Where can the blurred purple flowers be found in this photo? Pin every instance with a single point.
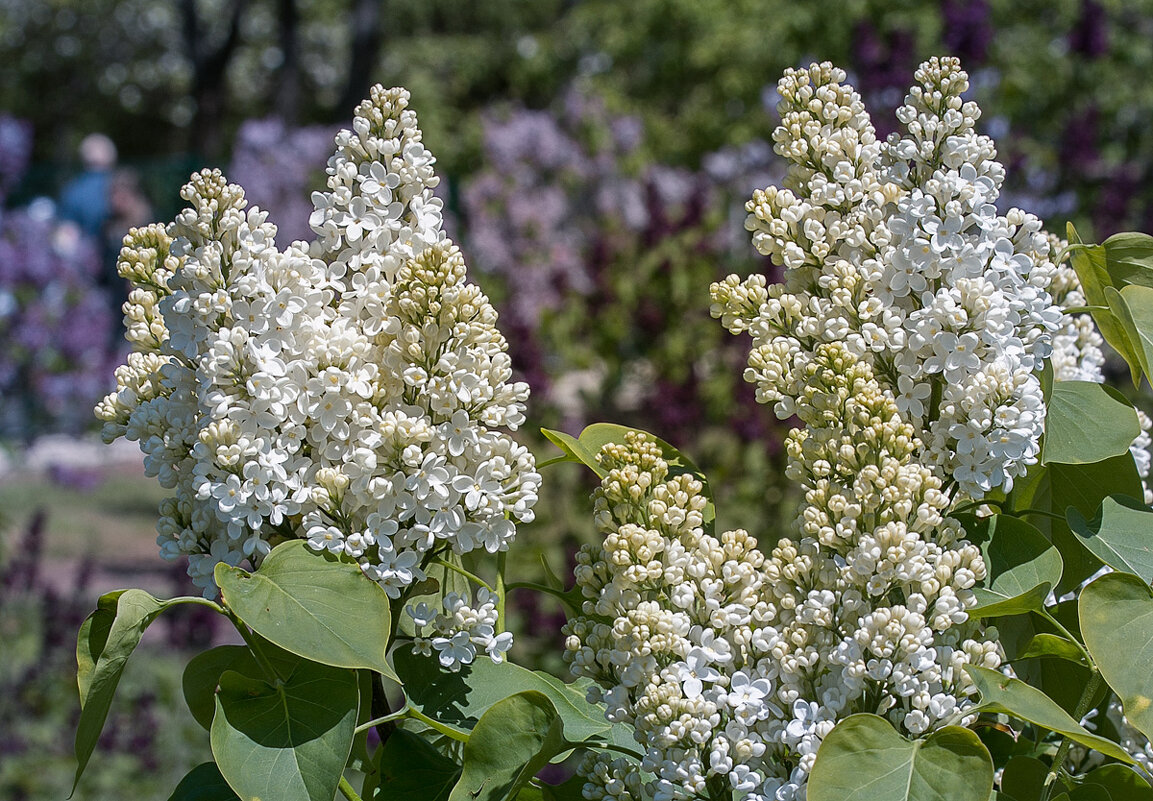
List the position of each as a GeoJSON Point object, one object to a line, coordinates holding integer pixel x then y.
{"type": "Point", "coordinates": [57, 335]}
{"type": "Point", "coordinates": [277, 165]}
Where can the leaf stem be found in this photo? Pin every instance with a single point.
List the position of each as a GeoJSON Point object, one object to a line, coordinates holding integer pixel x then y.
{"type": "Point", "coordinates": [1069, 636]}
{"type": "Point", "coordinates": [447, 731]}
{"type": "Point", "coordinates": [257, 653]}
{"type": "Point", "coordinates": [1087, 694]}
{"type": "Point", "coordinates": [501, 591]}
{"type": "Point", "coordinates": [470, 576]}
{"type": "Point", "coordinates": [347, 791]}
{"type": "Point", "coordinates": [389, 718]}
{"type": "Point", "coordinates": [620, 749]}
{"type": "Point", "coordinates": [965, 507]}
{"type": "Point", "coordinates": [1041, 512]}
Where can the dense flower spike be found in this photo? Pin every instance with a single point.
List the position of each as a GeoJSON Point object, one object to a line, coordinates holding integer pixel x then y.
{"type": "Point", "coordinates": [350, 391]}
{"type": "Point", "coordinates": [906, 336]}
{"type": "Point", "coordinates": [896, 250]}
{"type": "Point", "coordinates": [675, 629]}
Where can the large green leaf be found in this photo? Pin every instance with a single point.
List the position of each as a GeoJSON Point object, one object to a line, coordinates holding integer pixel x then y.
{"type": "Point", "coordinates": [287, 741]}
{"type": "Point", "coordinates": [1090, 263]}
{"type": "Point", "coordinates": [313, 605]}
{"type": "Point", "coordinates": [202, 674]}
{"type": "Point", "coordinates": [411, 769]}
{"type": "Point", "coordinates": [1087, 422]}
{"type": "Point", "coordinates": [460, 699]}
{"type": "Point", "coordinates": [1117, 625]}
{"type": "Point", "coordinates": [1085, 486]}
{"type": "Point", "coordinates": [1129, 258]}
{"type": "Point", "coordinates": [1122, 782]}
{"type": "Point", "coordinates": [585, 448]}
{"type": "Point", "coordinates": [1023, 567]}
{"type": "Point", "coordinates": [865, 759]}
{"type": "Point", "coordinates": [1013, 697]}
{"type": "Point", "coordinates": [1121, 535]}
{"type": "Point", "coordinates": [513, 740]}
{"type": "Point", "coordinates": [203, 783]}
{"type": "Point", "coordinates": [106, 639]}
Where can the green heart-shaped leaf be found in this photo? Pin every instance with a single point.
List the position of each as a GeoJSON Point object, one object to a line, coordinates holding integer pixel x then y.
{"type": "Point", "coordinates": [1121, 535]}
{"type": "Point", "coordinates": [510, 743]}
{"type": "Point", "coordinates": [1122, 782]}
{"type": "Point", "coordinates": [202, 674]}
{"type": "Point", "coordinates": [312, 605]}
{"type": "Point", "coordinates": [1117, 624]}
{"type": "Point", "coordinates": [411, 769]}
{"type": "Point", "coordinates": [1087, 422]}
{"type": "Point", "coordinates": [460, 699]}
{"type": "Point", "coordinates": [1085, 486]}
{"type": "Point", "coordinates": [203, 783]}
{"type": "Point", "coordinates": [1023, 567]}
{"type": "Point", "coordinates": [1090, 263]}
{"type": "Point", "coordinates": [288, 741]}
{"type": "Point", "coordinates": [106, 639]}
{"type": "Point", "coordinates": [864, 759]}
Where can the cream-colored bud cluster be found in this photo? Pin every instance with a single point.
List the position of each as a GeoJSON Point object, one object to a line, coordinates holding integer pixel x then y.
{"type": "Point", "coordinates": [674, 632]}
{"type": "Point", "coordinates": [350, 391]}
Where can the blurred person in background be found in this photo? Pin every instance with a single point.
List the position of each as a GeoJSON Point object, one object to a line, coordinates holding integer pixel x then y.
{"type": "Point", "coordinates": [85, 199]}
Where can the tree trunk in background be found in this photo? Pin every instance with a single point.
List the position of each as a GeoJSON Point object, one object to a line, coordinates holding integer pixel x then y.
{"type": "Point", "coordinates": [367, 37]}
{"type": "Point", "coordinates": [209, 71]}
{"type": "Point", "coordinates": [288, 76]}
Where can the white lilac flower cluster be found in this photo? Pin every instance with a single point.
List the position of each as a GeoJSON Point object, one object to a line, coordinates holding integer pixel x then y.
{"type": "Point", "coordinates": [906, 337]}
{"type": "Point", "coordinates": [350, 391]}
{"type": "Point", "coordinates": [675, 631]}
{"type": "Point", "coordinates": [896, 250]}
{"type": "Point", "coordinates": [459, 630]}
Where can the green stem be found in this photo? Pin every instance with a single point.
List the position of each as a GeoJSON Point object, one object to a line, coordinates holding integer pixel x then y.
{"type": "Point", "coordinates": [1063, 750]}
{"type": "Point", "coordinates": [1069, 636]}
{"type": "Point", "coordinates": [258, 654]}
{"type": "Point", "coordinates": [447, 731]}
{"type": "Point", "coordinates": [199, 599]}
{"type": "Point", "coordinates": [965, 507]}
{"type": "Point", "coordinates": [529, 585]}
{"type": "Point", "coordinates": [389, 718]}
{"type": "Point", "coordinates": [620, 749]}
{"type": "Point", "coordinates": [470, 576]}
{"type": "Point", "coordinates": [501, 559]}
{"type": "Point", "coordinates": [1040, 512]}
{"type": "Point", "coordinates": [347, 791]}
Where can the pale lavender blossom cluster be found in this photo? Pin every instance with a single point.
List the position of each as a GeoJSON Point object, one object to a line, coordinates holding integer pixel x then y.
{"type": "Point", "coordinates": [56, 356]}
{"type": "Point", "coordinates": [350, 391]}
{"type": "Point", "coordinates": [277, 164]}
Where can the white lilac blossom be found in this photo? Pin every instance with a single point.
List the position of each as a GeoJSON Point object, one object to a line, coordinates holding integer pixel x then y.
{"type": "Point", "coordinates": [906, 337]}
{"type": "Point", "coordinates": [352, 391]}
{"type": "Point", "coordinates": [675, 630]}
{"type": "Point", "coordinates": [896, 250]}
{"type": "Point", "coordinates": [460, 631]}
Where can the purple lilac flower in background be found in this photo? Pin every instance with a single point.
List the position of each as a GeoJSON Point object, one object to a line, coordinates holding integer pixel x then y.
{"type": "Point", "coordinates": [279, 166]}
{"type": "Point", "coordinates": [58, 332]}
{"type": "Point", "coordinates": [15, 152]}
